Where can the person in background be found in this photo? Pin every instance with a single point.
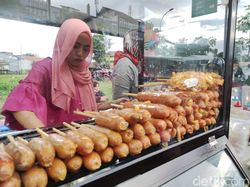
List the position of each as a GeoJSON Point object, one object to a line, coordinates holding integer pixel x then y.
{"type": "Point", "coordinates": [238, 71]}
{"type": "Point", "coordinates": [100, 96]}
{"type": "Point", "coordinates": [247, 82]}
{"type": "Point", "coordinates": [238, 75]}
{"type": "Point", "coordinates": [125, 73]}
{"type": "Point", "coordinates": [216, 65]}
{"type": "Point", "coordinates": [57, 86]}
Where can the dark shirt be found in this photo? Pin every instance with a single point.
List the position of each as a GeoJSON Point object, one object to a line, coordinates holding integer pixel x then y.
{"type": "Point", "coordinates": [238, 73]}
{"type": "Point", "coordinates": [98, 96]}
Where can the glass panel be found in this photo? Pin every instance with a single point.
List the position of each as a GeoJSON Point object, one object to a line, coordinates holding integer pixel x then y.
{"type": "Point", "coordinates": [217, 171]}
{"type": "Point", "coordinates": [239, 127]}
{"type": "Point", "coordinates": [169, 40]}
{"type": "Point", "coordinates": [241, 71]}
{"type": "Point", "coordinates": [179, 42]}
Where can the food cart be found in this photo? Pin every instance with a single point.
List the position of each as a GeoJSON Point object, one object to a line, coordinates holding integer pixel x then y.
{"type": "Point", "coordinates": [207, 150]}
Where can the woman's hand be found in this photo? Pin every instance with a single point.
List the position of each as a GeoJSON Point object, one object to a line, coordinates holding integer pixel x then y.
{"type": "Point", "coordinates": [28, 119]}
{"type": "Point", "coordinates": [107, 105]}
{"type": "Point", "coordinates": [120, 100]}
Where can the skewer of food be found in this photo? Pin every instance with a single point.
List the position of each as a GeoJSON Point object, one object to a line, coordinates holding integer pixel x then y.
{"type": "Point", "coordinates": [100, 140]}
{"type": "Point", "coordinates": [113, 122]}
{"type": "Point", "coordinates": [42, 148]}
{"type": "Point", "coordinates": [114, 137]}
{"type": "Point", "coordinates": [64, 147]}
{"type": "Point", "coordinates": [7, 166]}
{"type": "Point", "coordinates": [166, 98]}
{"type": "Point", "coordinates": [84, 144]}
{"type": "Point", "coordinates": [23, 156]}
{"type": "Point", "coordinates": [13, 181]}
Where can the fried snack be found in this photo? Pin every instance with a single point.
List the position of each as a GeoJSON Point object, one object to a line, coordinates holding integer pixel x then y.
{"type": "Point", "coordinates": [135, 147]}
{"type": "Point", "coordinates": [114, 138]}
{"type": "Point", "coordinates": [166, 98]}
{"type": "Point", "coordinates": [107, 155]}
{"type": "Point", "coordinates": [57, 171]}
{"type": "Point", "coordinates": [195, 81]}
{"type": "Point", "coordinates": [165, 136]}
{"type": "Point", "coordinates": [74, 164]}
{"type": "Point", "coordinates": [44, 151]}
{"type": "Point", "coordinates": [22, 155]}
{"type": "Point", "coordinates": [155, 138]}
{"type": "Point", "coordinates": [100, 140]}
{"type": "Point", "coordinates": [156, 110]}
{"type": "Point", "coordinates": [130, 115]}
{"type": "Point", "coordinates": [159, 124]}
{"type": "Point", "coordinates": [149, 128]}
{"type": "Point", "coordinates": [35, 176]}
{"type": "Point", "coordinates": [106, 119]}
{"type": "Point", "coordinates": [122, 150]}
{"type": "Point", "coordinates": [127, 135]}
{"type": "Point", "coordinates": [14, 181]}
{"type": "Point", "coordinates": [7, 166]}
{"type": "Point", "coordinates": [84, 144]}
{"type": "Point", "coordinates": [111, 121]}
{"type": "Point", "coordinates": [92, 161]}
{"type": "Point", "coordinates": [145, 142]}
{"type": "Point", "coordinates": [180, 110]}
{"type": "Point", "coordinates": [138, 130]}
{"type": "Point", "coordinates": [64, 147]}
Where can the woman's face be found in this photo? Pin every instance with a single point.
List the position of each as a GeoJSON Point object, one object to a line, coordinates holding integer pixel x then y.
{"type": "Point", "coordinates": [80, 50]}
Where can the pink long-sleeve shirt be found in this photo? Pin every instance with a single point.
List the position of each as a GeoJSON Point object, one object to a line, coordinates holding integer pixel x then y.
{"type": "Point", "coordinates": [34, 94]}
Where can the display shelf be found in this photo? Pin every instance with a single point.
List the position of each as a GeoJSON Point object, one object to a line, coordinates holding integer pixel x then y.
{"type": "Point", "coordinates": [206, 164]}
{"type": "Point", "coordinates": [114, 172]}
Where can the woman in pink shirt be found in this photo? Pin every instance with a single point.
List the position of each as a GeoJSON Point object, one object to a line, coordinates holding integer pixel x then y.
{"type": "Point", "coordinates": [55, 87]}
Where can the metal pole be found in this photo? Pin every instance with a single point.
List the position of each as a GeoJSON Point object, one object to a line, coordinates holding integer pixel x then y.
{"type": "Point", "coordinates": [229, 55]}
{"type": "Point", "coordinates": [165, 15]}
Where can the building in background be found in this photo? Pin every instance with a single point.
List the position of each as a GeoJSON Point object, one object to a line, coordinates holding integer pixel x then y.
{"type": "Point", "coordinates": [10, 63]}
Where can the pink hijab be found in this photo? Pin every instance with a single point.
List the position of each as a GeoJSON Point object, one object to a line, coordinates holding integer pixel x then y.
{"type": "Point", "coordinates": [65, 79]}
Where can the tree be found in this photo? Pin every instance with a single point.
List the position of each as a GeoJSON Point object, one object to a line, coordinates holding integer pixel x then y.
{"type": "Point", "coordinates": [164, 47]}
{"type": "Point", "coordinates": [199, 46]}
{"type": "Point", "coordinates": [243, 25]}
{"type": "Point", "coordinates": [240, 47]}
{"type": "Point", "coordinates": [99, 49]}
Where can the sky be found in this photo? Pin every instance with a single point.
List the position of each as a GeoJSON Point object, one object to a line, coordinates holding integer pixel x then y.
{"type": "Point", "coordinates": [21, 37]}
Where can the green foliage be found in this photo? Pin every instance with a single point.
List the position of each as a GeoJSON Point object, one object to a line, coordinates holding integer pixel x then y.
{"type": "Point", "coordinates": [7, 83]}
{"type": "Point", "coordinates": [101, 45]}
{"type": "Point", "coordinates": [165, 47]}
{"type": "Point", "coordinates": [106, 87]}
{"type": "Point", "coordinates": [243, 44]}
{"type": "Point", "coordinates": [200, 46]}
{"type": "Point", "coordinates": [243, 23]}
{"type": "Point", "coordinates": [99, 48]}
{"type": "Point", "coordinates": [191, 49]}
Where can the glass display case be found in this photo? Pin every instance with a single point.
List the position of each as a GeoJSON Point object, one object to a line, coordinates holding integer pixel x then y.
{"type": "Point", "coordinates": [213, 164]}
{"type": "Point", "coordinates": [187, 50]}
